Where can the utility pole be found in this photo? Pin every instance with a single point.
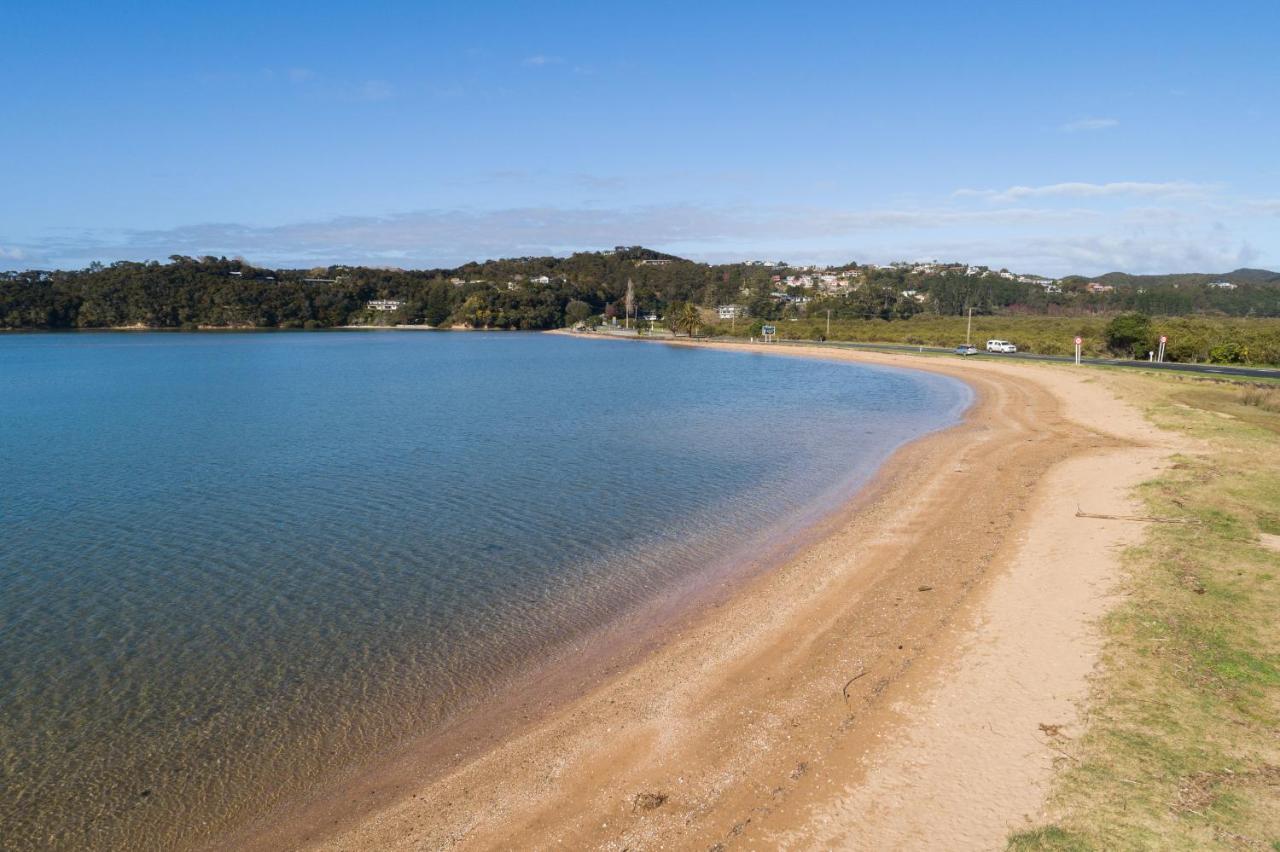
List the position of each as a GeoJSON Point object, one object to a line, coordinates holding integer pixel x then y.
{"type": "Point", "coordinates": [828, 323]}
{"type": "Point", "coordinates": [968, 332]}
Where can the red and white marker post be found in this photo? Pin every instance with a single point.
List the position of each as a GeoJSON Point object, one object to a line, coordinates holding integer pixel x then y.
{"type": "Point", "coordinates": [1079, 340]}
{"type": "Point", "coordinates": [1160, 354]}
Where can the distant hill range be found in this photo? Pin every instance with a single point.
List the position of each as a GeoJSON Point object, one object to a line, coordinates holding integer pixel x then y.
{"type": "Point", "coordinates": [546, 292]}
{"type": "Point", "coordinates": [1238, 276]}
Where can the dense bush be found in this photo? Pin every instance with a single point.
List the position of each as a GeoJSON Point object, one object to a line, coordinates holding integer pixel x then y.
{"type": "Point", "coordinates": [1129, 334]}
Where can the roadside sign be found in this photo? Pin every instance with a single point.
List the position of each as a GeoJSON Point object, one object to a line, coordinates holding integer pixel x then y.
{"type": "Point", "coordinates": [1079, 340]}
{"type": "Point", "coordinates": [769, 332]}
{"type": "Point", "coordinates": [1164, 339]}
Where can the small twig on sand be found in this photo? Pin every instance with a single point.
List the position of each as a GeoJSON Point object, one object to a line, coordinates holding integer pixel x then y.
{"type": "Point", "coordinates": [845, 690]}
{"type": "Point", "coordinates": [1149, 519]}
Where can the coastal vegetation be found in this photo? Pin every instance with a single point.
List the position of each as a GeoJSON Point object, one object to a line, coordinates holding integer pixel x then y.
{"type": "Point", "coordinates": [1191, 339]}
{"type": "Point", "coordinates": [685, 318]}
{"type": "Point", "coordinates": [1229, 318]}
{"type": "Point", "coordinates": [1180, 749]}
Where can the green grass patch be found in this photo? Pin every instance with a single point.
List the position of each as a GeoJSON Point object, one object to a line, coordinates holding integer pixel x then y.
{"type": "Point", "coordinates": [1180, 749]}
{"type": "Point", "coordinates": [1048, 839]}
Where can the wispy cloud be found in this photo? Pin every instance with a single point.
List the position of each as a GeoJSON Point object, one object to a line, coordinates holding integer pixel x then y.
{"type": "Point", "coordinates": [300, 75]}
{"type": "Point", "coordinates": [1200, 250]}
{"type": "Point", "coordinates": [599, 183]}
{"type": "Point", "coordinates": [375, 90]}
{"type": "Point", "coordinates": [1263, 206]}
{"type": "Point", "coordinates": [539, 60]}
{"type": "Point", "coordinates": [1144, 189]}
{"type": "Point", "coordinates": [1086, 124]}
{"type": "Point", "coordinates": [1052, 239]}
{"type": "Point", "coordinates": [448, 237]}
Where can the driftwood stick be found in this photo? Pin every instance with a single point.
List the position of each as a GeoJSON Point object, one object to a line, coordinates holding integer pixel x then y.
{"type": "Point", "coordinates": [845, 690]}
{"type": "Point", "coordinates": [1149, 519]}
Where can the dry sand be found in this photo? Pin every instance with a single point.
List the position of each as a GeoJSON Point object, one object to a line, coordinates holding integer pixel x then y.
{"type": "Point", "coordinates": [883, 689]}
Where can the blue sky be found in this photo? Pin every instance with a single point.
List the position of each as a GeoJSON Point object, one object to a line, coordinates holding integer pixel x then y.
{"type": "Point", "coordinates": [1048, 138]}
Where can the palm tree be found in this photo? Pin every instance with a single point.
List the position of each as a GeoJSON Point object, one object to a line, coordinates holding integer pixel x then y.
{"type": "Point", "coordinates": [689, 319]}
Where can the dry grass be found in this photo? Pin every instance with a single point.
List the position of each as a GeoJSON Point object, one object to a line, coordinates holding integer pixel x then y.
{"type": "Point", "coordinates": [1182, 749]}
{"type": "Point", "coordinates": [1268, 399]}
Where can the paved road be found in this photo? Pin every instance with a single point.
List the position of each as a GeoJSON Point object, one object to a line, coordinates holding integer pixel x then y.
{"type": "Point", "coordinates": [1247, 372]}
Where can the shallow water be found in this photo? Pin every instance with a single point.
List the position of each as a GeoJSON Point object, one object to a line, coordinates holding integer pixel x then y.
{"type": "Point", "coordinates": [233, 563]}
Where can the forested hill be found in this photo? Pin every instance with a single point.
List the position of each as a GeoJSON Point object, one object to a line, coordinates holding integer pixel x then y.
{"type": "Point", "coordinates": [544, 292]}
{"type": "Point", "coordinates": [1239, 276]}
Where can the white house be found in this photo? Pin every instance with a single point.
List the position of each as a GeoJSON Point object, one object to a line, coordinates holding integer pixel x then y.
{"type": "Point", "coordinates": [385, 304]}
{"type": "Point", "coordinates": [731, 311]}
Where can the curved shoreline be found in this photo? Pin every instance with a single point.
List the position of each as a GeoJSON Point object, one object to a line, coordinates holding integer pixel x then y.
{"type": "Point", "coordinates": [570, 670]}
{"type": "Point", "coordinates": [750, 708]}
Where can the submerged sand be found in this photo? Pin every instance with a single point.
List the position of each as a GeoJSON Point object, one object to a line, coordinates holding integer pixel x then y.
{"type": "Point", "coordinates": [884, 688]}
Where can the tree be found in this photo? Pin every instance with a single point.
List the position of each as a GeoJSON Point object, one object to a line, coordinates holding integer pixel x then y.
{"type": "Point", "coordinates": [685, 318]}
{"type": "Point", "coordinates": [1129, 334]}
{"type": "Point", "coordinates": [577, 311]}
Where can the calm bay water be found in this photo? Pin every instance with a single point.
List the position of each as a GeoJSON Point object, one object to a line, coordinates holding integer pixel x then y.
{"type": "Point", "coordinates": [232, 563]}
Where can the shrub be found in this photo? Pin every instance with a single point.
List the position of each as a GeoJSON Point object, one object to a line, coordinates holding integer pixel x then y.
{"type": "Point", "coordinates": [1229, 353]}
{"type": "Point", "coordinates": [1129, 334]}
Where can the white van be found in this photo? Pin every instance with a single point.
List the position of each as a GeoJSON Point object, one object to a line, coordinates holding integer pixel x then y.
{"type": "Point", "coordinates": [1000, 346]}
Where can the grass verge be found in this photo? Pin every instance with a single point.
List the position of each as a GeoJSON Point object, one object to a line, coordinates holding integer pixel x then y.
{"type": "Point", "coordinates": [1181, 748]}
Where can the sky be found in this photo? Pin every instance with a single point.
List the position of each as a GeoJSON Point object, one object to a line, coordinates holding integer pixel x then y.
{"type": "Point", "coordinates": [1046, 138]}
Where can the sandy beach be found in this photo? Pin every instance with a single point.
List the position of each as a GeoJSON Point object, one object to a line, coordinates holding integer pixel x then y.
{"type": "Point", "coordinates": [898, 681]}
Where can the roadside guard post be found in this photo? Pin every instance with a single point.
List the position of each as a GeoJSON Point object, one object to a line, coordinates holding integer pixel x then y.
{"type": "Point", "coordinates": [770, 333]}
{"type": "Point", "coordinates": [1160, 353]}
{"type": "Point", "coordinates": [1079, 340]}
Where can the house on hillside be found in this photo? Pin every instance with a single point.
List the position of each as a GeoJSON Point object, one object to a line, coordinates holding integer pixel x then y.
{"type": "Point", "coordinates": [384, 304]}
{"type": "Point", "coordinates": [1222, 285]}
{"type": "Point", "coordinates": [728, 312]}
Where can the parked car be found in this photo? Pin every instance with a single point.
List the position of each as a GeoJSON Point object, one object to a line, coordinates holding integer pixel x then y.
{"type": "Point", "coordinates": [966, 349]}
{"type": "Point", "coordinates": [1000, 346]}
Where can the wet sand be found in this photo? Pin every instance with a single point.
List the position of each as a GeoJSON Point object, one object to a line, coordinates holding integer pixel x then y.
{"type": "Point", "coordinates": [882, 688]}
